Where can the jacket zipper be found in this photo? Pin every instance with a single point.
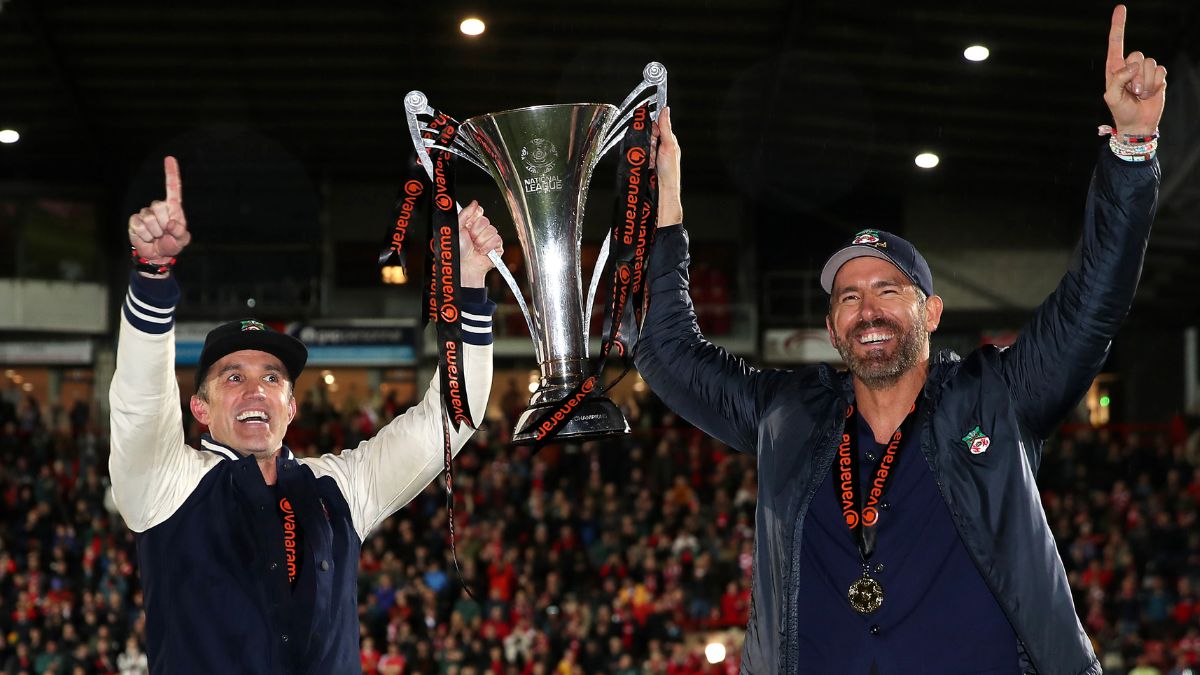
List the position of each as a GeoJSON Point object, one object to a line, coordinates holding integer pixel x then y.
{"type": "Point", "coordinates": [791, 652]}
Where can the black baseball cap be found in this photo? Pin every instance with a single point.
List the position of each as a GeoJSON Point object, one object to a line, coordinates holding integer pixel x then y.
{"type": "Point", "coordinates": [251, 334]}
{"type": "Point", "coordinates": [885, 245]}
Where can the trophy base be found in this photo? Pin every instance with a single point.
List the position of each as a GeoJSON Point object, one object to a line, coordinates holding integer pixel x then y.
{"type": "Point", "coordinates": [597, 417]}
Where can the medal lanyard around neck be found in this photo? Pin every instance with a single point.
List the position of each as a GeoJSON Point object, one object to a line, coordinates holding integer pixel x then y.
{"type": "Point", "coordinates": [861, 508]}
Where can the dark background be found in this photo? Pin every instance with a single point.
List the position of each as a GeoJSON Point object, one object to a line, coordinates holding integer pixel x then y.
{"type": "Point", "coordinates": [799, 123]}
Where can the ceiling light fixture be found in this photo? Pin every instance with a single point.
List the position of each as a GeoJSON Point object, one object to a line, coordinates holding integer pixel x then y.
{"type": "Point", "coordinates": [9, 136]}
{"type": "Point", "coordinates": [472, 26]}
{"type": "Point", "coordinates": [976, 53]}
{"type": "Point", "coordinates": [927, 160]}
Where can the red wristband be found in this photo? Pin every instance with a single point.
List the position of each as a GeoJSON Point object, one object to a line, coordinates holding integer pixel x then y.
{"type": "Point", "coordinates": [144, 265]}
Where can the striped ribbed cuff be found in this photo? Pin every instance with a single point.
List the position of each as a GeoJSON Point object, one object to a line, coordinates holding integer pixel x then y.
{"type": "Point", "coordinates": [150, 303]}
{"type": "Point", "coordinates": [476, 315]}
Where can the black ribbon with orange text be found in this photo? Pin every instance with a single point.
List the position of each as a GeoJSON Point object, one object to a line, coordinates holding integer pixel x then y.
{"type": "Point", "coordinates": [411, 202]}
{"type": "Point", "coordinates": [292, 538]}
{"type": "Point", "coordinates": [861, 509]}
{"type": "Point", "coordinates": [440, 284]}
{"type": "Point", "coordinates": [634, 222]}
{"type": "Point", "coordinates": [445, 289]}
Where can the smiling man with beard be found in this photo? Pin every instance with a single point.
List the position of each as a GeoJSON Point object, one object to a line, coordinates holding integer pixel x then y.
{"type": "Point", "coordinates": [899, 527]}
{"type": "Point", "coordinates": [881, 307]}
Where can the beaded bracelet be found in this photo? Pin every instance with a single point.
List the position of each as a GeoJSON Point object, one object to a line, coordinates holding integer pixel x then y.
{"type": "Point", "coordinates": [141, 264]}
{"type": "Point", "coordinates": [1130, 147]}
{"type": "Point", "coordinates": [1133, 153]}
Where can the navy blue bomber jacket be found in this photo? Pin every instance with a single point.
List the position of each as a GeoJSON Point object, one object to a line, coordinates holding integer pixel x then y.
{"type": "Point", "coordinates": [792, 419]}
{"type": "Point", "coordinates": [211, 542]}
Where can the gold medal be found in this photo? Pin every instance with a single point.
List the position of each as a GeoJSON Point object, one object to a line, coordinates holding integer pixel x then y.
{"type": "Point", "coordinates": [866, 595]}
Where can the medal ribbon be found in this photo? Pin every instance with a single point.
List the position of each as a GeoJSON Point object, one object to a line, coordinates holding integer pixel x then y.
{"type": "Point", "coordinates": [291, 539]}
{"type": "Point", "coordinates": [441, 287]}
{"type": "Point", "coordinates": [861, 508]}
{"type": "Point", "coordinates": [412, 200]}
{"type": "Point", "coordinates": [635, 220]}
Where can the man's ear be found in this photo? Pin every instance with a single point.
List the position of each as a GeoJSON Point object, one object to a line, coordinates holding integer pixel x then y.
{"type": "Point", "coordinates": [199, 409]}
{"type": "Point", "coordinates": [829, 327]}
{"type": "Point", "coordinates": [933, 312]}
{"type": "Point", "coordinates": [291, 408]}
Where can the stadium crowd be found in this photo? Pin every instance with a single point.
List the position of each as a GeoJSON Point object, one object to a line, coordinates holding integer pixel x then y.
{"type": "Point", "coordinates": [625, 557]}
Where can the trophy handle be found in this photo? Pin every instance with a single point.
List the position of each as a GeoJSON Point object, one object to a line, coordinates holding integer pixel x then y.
{"type": "Point", "coordinates": [619, 129]}
{"type": "Point", "coordinates": [416, 103]}
{"type": "Point", "coordinates": [653, 75]}
{"type": "Point", "coordinates": [601, 261]}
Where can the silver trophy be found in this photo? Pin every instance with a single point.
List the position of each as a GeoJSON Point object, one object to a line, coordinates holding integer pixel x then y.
{"type": "Point", "coordinates": [542, 159]}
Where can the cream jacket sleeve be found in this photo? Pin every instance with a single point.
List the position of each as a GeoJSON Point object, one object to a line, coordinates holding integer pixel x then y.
{"type": "Point", "coordinates": [153, 471]}
{"type": "Point", "coordinates": [385, 473]}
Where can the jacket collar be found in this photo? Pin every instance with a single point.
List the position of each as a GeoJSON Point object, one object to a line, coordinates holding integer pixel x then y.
{"type": "Point", "coordinates": [941, 367]}
{"type": "Point", "coordinates": [207, 443]}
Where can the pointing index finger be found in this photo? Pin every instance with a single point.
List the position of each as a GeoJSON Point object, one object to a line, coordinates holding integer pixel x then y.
{"type": "Point", "coordinates": [1116, 40]}
{"type": "Point", "coordinates": [174, 183]}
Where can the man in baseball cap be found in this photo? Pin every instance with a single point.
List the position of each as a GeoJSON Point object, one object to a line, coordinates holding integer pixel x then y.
{"type": "Point", "coordinates": [240, 542]}
{"type": "Point", "coordinates": [881, 307]}
{"type": "Point", "coordinates": [233, 352]}
{"type": "Point", "coordinates": [899, 527]}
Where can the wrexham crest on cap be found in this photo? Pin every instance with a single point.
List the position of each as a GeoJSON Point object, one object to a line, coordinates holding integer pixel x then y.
{"type": "Point", "coordinates": [869, 238]}
{"type": "Point", "coordinates": [252, 325]}
{"type": "Point", "coordinates": [977, 441]}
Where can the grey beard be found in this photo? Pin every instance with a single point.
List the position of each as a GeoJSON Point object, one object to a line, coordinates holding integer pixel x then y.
{"type": "Point", "coordinates": [881, 373]}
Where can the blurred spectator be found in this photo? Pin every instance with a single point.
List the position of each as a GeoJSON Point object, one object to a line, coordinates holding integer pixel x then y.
{"type": "Point", "coordinates": [624, 556]}
{"type": "Point", "coordinates": [133, 660]}
{"type": "Point", "coordinates": [369, 657]}
{"type": "Point", "coordinates": [393, 662]}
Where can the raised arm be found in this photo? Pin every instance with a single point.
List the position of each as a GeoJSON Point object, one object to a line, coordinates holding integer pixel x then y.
{"type": "Point", "coordinates": [386, 472]}
{"type": "Point", "coordinates": [1064, 346]}
{"type": "Point", "coordinates": [152, 469]}
{"type": "Point", "coordinates": [719, 393]}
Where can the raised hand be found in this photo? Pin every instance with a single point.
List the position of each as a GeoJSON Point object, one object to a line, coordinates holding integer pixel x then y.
{"type": "Point", "coordinates": [476, 238]}
{"type": "Point", "coordinates": [665, 156]}
{"type": "Point", "coordinates": [1134, 86]}
{"type": "Point", "coordinates": [159, 231]}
